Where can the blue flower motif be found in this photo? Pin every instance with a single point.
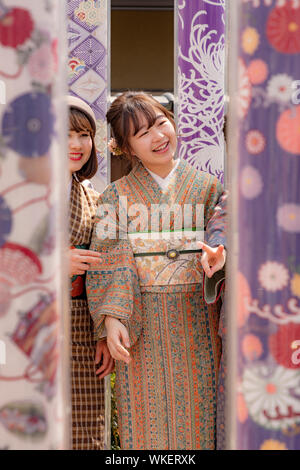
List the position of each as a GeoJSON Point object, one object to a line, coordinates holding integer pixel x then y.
{"type": "Point", "coordinates": [5, 221]}
{"type": "Point", "coordinates": [28, 124]}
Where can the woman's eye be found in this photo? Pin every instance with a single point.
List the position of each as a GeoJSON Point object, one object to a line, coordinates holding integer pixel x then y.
{"type": "Point", "coordinates": [161, 123]}
{"type": "Point", "coordinates": [144, 133]}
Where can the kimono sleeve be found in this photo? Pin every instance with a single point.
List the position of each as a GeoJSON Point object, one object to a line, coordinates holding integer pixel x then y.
{"type": "Point", "coordinates": [215, 235]}
{"type": "Point", "coordinates": [113, 285]}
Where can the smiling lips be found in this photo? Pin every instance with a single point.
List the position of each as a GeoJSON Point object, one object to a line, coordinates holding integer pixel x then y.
{"type": "Point", "coordinates": [162, 148]}
{"type": "Point", "coordinates": [75, 156]}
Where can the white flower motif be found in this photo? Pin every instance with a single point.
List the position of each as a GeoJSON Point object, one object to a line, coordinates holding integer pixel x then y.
{"type": "Point", "coordinates": [251, 182]}
{"type": "Point", "coordinates": [279, 88]}
{"type": "Point", "coordinates": [255, 142]}
{"type": "Point", "coordinates": [288, 217]}
{"type": "Point", "coordinates": [273, 276]}
{"type": "Point", "coordinates": [272, 396]}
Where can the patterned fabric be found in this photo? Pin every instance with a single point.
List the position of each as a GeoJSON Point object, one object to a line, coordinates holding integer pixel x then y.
{"type": "Point", "coordinates": [88, 409]}
{"type": "Point", "coordinates": [166, 397]}
{"type": "Point", "coordinates": [200, 68]}
{"type": "Point", "coordinates": [266, 363]}
{"type": "Point", "coordinates": [88, 406]}
{"type": "Point", "coordinates": [87, 34]}
{"type": "Point", "coordinates": [155, 268]}
{"type": "Point", "coordinates": [33, 415]}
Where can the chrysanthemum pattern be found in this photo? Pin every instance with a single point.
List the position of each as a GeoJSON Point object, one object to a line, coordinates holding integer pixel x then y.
{"type": "Point", "coordinates": [273, 276]}
{"type": "Point", "coordinates": [268, 317]}
{"type": "Point", "coordinates": [272, 395]}
{"type": "Point", "coordinates": [201, 54]}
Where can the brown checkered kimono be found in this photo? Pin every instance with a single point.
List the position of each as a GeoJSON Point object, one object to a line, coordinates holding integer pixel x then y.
{"type": "Point", "coordinates": [88, 405]}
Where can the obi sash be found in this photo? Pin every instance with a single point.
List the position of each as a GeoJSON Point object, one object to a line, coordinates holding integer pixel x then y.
{"type": "Point", "coordinates": [167, 258]}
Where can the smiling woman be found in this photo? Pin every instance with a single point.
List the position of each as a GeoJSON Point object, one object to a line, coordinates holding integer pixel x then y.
{"type": "Point", "coordinates": [87, 388]}
{"type": "Point", "coordinates": [148, 290]}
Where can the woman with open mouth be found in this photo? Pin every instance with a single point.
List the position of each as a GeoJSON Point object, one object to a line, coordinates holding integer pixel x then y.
{"type": "Point", "coordinates": [88, 405]}
{"type": "Point", "coordinates": [148, 290]}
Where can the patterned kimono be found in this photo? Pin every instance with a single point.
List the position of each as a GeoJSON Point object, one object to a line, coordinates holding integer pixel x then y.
{"type": "Point", "coordinates": [152, 281]}
{"type": "Point", "coordinates": [87, 390]}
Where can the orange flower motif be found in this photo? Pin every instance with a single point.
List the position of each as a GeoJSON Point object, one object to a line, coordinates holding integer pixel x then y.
{"type": "Point", "coordinates": [242, 410]}
{"type": "Point", "coordinates": [272, 444]}
{"type": "Point", "coordinates": [252, 347]}
{"type": "Point", "coordinates": [244, 298]}
{"type": "Point", "coordinates": [250, 40]}
{"type": "Point", "coordinates": [257, 71]}
{"type": "Point", "coordinates": [295, 285]}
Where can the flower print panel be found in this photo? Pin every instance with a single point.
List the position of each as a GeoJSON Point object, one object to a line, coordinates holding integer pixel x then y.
{"type": "Point", "coordinates": [28, 124]}
{"type": "Point", "coordinates": [24, 418]}
{"type": "Point", "coordinates": [283, 29]}
{"type": "Point", "coordinates": [271, 395]}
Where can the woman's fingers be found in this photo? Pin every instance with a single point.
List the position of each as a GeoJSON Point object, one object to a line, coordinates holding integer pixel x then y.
{"type": "Point", "coordinates": [79, 251]}
{"type": "Point", "coordinates": [81, 260]}
{"type": "Point", "coordinates": [205, 265]}
{"type": "Point", "coordinates": [212, 259]}
{"type": "Point", "coordinates": [105, 370]}
{"type": "Point", "coordinates": [118, 352]}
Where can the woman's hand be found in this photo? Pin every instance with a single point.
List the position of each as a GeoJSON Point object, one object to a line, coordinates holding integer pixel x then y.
{"type": "Point", "coordinates": [103, 355]}
{"type": "Point", "coordinates": [117, 339]}
{"type": "Point", "coordinates": [80, 260]}
{"type": "Point", "coordinates": [212, 259]}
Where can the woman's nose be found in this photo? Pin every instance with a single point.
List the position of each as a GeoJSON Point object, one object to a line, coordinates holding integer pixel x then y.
{"type": "Point", "coordinates": [157, 133]}
{"type": "Point", "coordinates": [74, 142]}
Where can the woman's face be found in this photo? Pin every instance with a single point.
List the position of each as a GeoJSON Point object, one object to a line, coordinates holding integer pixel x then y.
{"type": "Point", "coordinates": [79, 149]}
{"type": "Point", "coordinates": [154, 146]}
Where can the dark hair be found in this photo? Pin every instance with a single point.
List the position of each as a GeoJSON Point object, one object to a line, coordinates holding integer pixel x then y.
{"type": "Point", "coordinates": [78, 122]}
{"type": "Point", "coordinates": [125, 109]}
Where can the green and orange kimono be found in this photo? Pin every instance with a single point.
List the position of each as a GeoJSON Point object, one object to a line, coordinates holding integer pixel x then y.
{"type": "Point", "coordinates": [152, 281]}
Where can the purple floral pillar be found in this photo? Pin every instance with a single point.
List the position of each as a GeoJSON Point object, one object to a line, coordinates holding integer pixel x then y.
{"type": "Point", "coordinates": [264, 280]}
{"type": "Point", "coordinates": [33, 292]}
{"type": "Point", "coordinates": [88, 24]}
{"type": "Point", "coordinates": [199, 82]}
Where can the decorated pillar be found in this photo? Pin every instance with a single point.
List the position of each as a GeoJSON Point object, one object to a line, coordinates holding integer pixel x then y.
{"type": "Point", "coordinates": [88, 32]}
{"type": "Point", "coordinates": [264, 275]}
{"type": "Point", "coordinates": [88, 28]}
{"type": "Point", "coordinates": [33, 291]}
{"type": "Point", "coordinates": [199, 82]}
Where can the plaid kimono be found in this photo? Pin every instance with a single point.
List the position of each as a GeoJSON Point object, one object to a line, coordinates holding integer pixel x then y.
{"type": "Point", "coordinates": [88, 407]}
{"type": "Point", "coordinates": [152, 281]}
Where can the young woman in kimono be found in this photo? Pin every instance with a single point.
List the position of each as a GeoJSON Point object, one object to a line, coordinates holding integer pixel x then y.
{"type": "Point", "coordinates": [148, 290]}
{"type": "Point", "coordinates": [87, 389]}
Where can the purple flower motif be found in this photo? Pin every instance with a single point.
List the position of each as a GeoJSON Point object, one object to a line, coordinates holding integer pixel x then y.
{"type": "Point", "coordinates": [28, 124]}
{"type": "Point", "coordinates": [288, 217]}
{"type": "Point", "coordinates": [5, 221]}
{"type": "Point", "coordinates": [251, 182]}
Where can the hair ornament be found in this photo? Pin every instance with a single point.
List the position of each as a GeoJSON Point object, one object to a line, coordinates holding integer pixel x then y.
{"type": "Point", "coordinates": [113, 147]}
